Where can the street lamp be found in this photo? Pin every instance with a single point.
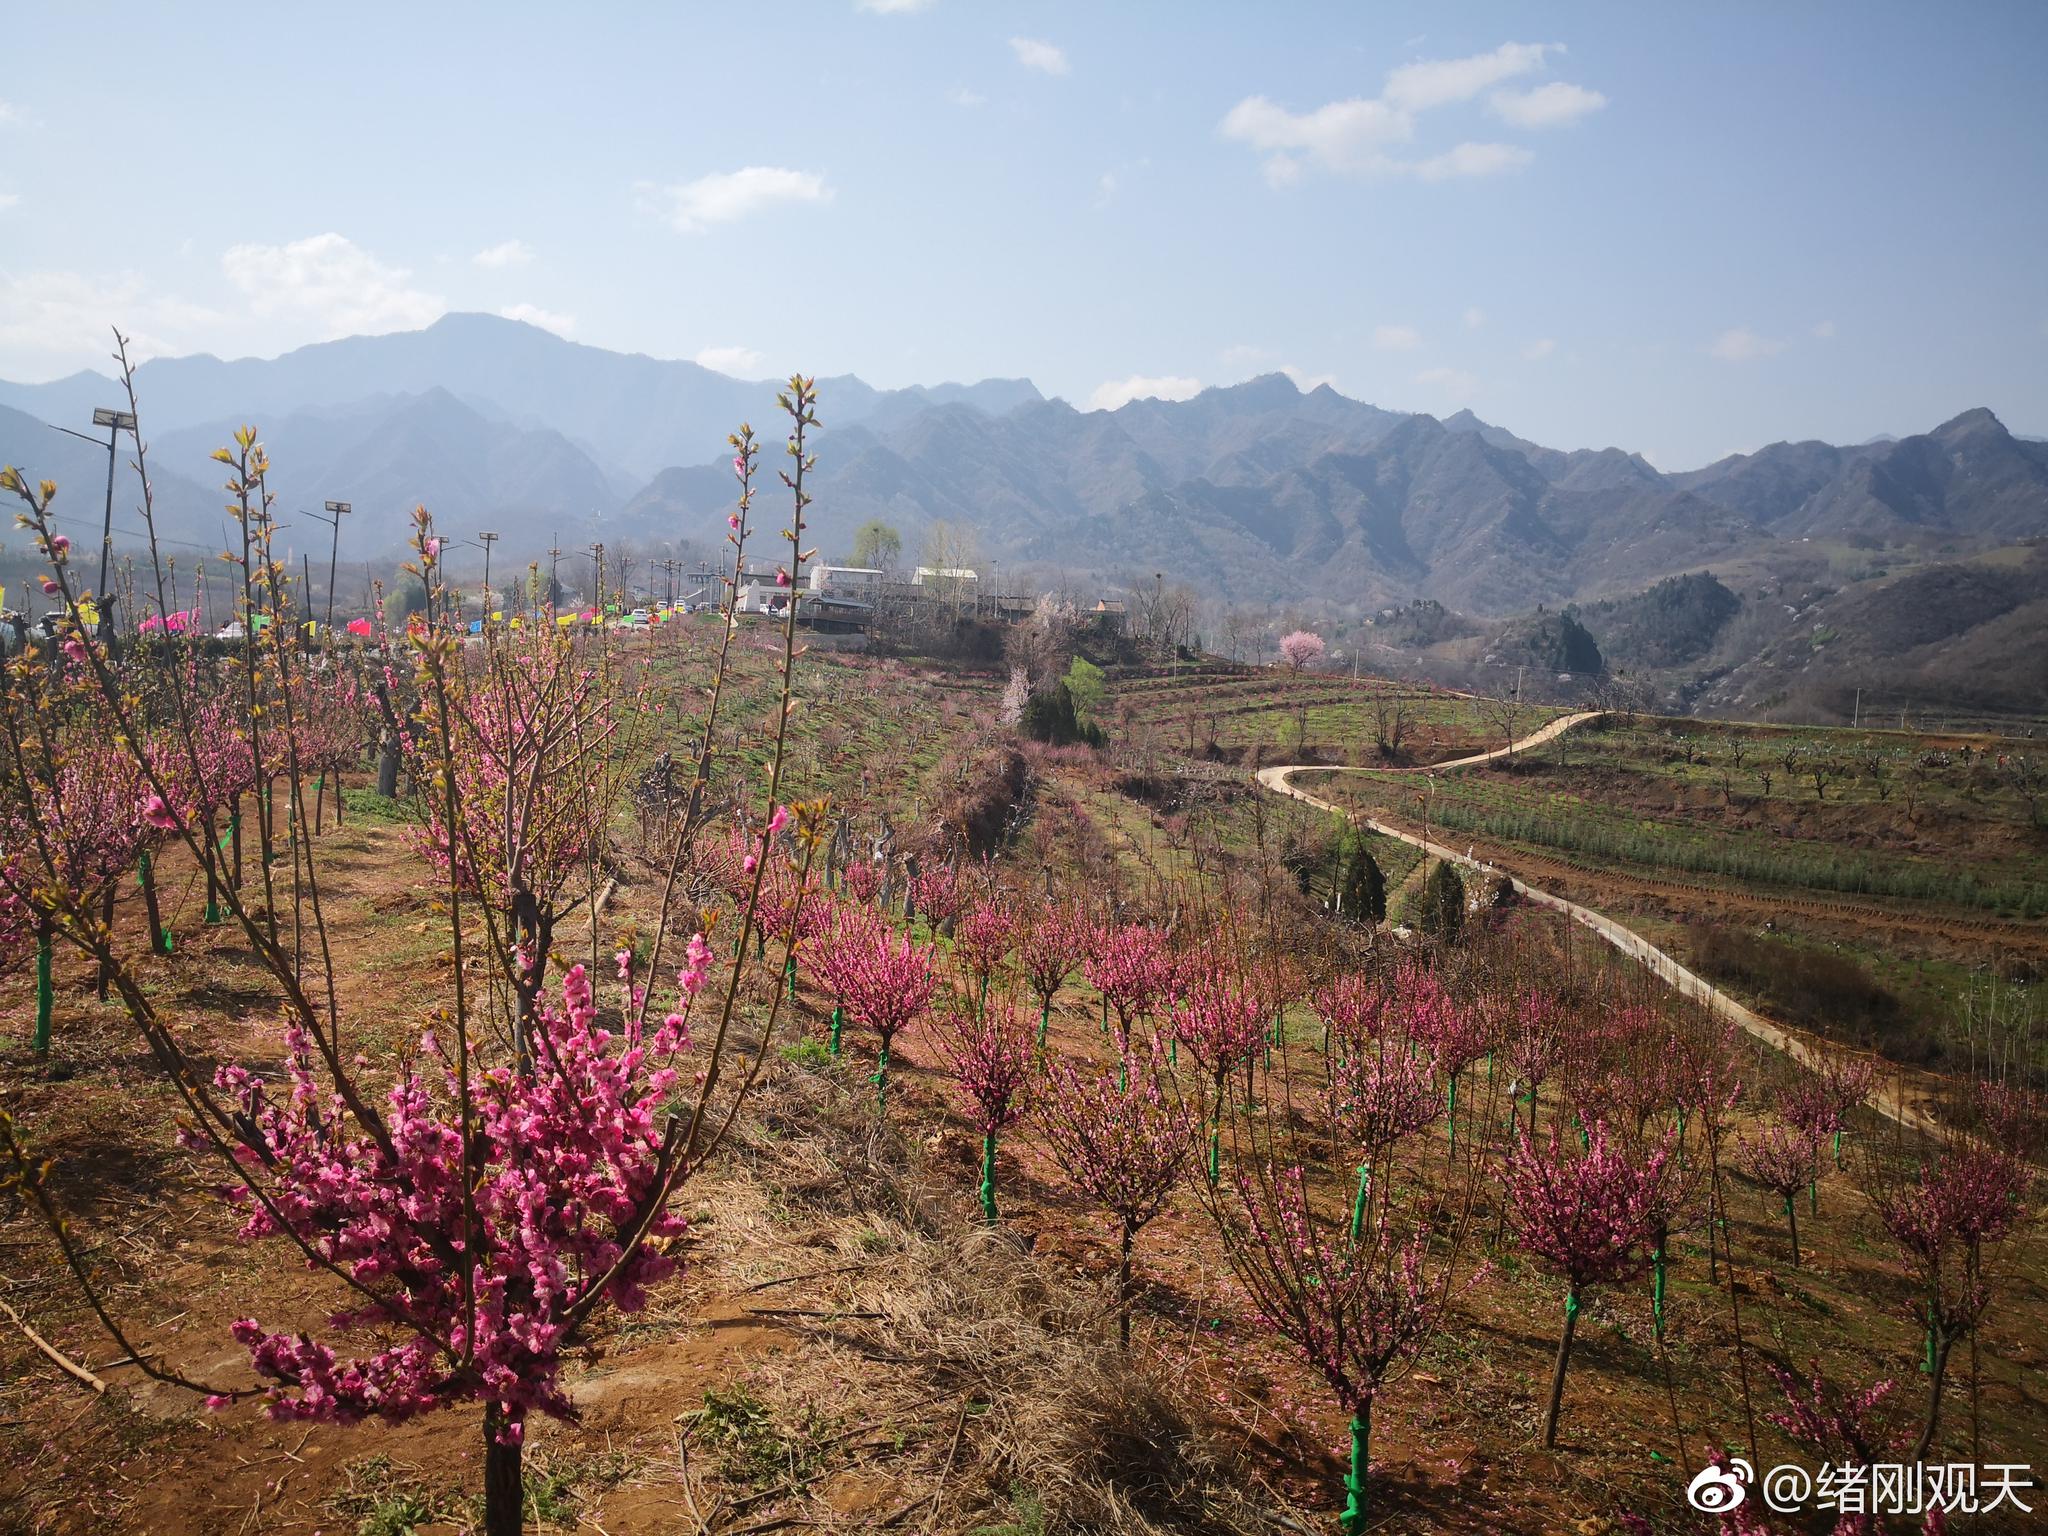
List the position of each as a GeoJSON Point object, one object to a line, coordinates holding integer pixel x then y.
{"type": "Point", "coordinates": [337, 510]}
{"type": "Point", "coordinates": [116, 422]}
{"type": "Point", "coordinates": [487, 539]}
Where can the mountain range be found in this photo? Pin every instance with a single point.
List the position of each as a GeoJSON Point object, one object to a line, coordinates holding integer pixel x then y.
{"type": "Point", "coordinates": [1257, 492]}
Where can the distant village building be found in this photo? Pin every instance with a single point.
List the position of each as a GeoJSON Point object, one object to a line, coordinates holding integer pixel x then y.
{"type": "Point", "coordinates": [927, 576]}
{"type": "Point", "coordinates": [763, 597]}
{"type": "Point", "coordinates": [847, 580]}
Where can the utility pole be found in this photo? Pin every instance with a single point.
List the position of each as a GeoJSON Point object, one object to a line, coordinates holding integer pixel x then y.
{"type": "Point", "coordinates": [1856, 719]}
{"type": "Point", "coordinates": [116, 422]}
{"type": "Point", "coordinates": [597, 580]}
{"type": "Point", "coordinates": [336, 511]}
{"type": "Point", "coordinates": [487, 539]}
{"type": "Point", "coordinates": [554, 565]}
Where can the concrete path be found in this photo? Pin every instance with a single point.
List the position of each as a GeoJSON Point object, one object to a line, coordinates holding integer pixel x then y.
{"type": "Point", "coordinates": [1802, 1048]}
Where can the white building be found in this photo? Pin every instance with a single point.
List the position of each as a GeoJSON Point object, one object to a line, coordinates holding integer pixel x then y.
{"type": "Point", "coordinates": [846, 579]}
{"type": "Point", "coordinates": [763, 597]}
{"type": "Point", "coordinates": [926, 576]}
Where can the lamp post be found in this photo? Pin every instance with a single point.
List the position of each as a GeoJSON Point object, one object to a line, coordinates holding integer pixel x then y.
{"type": "Point", "coordinates": [336, 511]}
{"type": "Point", "coordinates": [116, 422]}
{"type": "Point", "coordinates": [487, 540]}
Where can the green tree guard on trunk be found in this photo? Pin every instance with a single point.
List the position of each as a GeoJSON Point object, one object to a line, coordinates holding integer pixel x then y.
{"type": "Point", "coordinates": [1358, 1201]}
{"type": "Point", "coordinates": [1044, 1019]}
{"type": "Point", "coordinates": [988, 1178]}
{"type": "Point", "coordinates": [1657, 1288]}
{"type": "Point", "coordinates": [46, 996]}
{"type": "Point", "coordinates": [838, 1023]}
{"type": "Point", "coordinates": [145, 876]}
{"type": "Point", "coordinates": [1354, 1480]}
{"type": "Point", "coordinates": [881, 1080]}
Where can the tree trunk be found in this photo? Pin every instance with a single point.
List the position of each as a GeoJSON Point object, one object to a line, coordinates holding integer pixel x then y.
{"type": "Point", "coordinates": [988, 1177]}
{"type": "Point", "coordinates": [1564, 1350]}
{"type": "Point", "coordinates": [387, 764]}
{"type": "Point", "coordinates": [1123, 1290]}
{"type": "Point", "coordinates": [145, 873]}
{"type": "Point", "coordinates": [1792, 1222]}
{"type": "Point", "coordinates": [1361, 1462]}
{"type": "Point", "coordinates": [504, 1493]}
{"type": "Point", "coordinates": [1942, 1345]}
{"type": "Point", "coordinates": [106, 976]}
{"type": "Point", "coordinates": [1358, 1200]}
{"type": "Point", "coordinates": [46, 994]}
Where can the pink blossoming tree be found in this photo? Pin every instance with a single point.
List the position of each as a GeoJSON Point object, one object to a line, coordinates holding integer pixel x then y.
{"type": "Point", "coordinates": [1585, 1213]}
{"type": "Point", "coordinates": [1122, 1142]}
{"type": "Point", "coordinates": [991, 1058]}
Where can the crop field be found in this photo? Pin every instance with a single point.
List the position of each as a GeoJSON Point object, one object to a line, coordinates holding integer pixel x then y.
{"type": "Point", "coordinates": [1930, 849]}
{"type": "Point", "coordinates": [686, 1080]}
{"type": "Point", "coordinates": [1263, 715]}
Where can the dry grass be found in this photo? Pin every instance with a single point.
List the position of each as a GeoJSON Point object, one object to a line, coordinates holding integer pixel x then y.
{"type": "Point", "coordinates": [1027, 1416]}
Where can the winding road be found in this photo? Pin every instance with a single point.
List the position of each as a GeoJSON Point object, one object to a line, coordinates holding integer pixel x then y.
{"type": "Point", "coordinates": [1913, 1113]}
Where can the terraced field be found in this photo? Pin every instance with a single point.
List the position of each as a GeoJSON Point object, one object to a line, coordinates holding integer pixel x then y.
{"type": "Point", "coordinates": [1919, 862]}
{"type": "Point", "coordinates": [1263, 714]}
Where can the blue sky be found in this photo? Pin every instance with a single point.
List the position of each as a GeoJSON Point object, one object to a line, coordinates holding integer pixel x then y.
{"type": "Point", "coordinates": [1598, 224]}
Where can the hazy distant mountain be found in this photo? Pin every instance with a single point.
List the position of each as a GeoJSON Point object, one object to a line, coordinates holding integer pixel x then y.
{"type": "Point", "coordinates": [389, 453]}
{"type": "Point", "coordinates": [1255, 492]}
{"type": "Point", "coordinates": [80, 470]}
{"type": "Point", "coordinates": [634, 412]}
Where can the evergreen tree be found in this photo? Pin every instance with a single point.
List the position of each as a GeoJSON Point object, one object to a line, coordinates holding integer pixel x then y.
{"type": "Point", "coordinates": [1443, 903]}
{"type": "Point", "coordinates": [1361, 888]}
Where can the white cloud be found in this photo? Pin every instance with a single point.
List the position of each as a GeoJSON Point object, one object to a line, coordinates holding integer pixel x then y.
{"type": "Point", "coordinates": [1539, 349]}
{"type": "Point", "coordinates": [740, 362]}
{"type": "Point", "coordinates": [1454, 382]}
{"type": "Point", "coordinates": [1743, 345]}
{"type": "Point", "coordinates": [1113, 393]}
{"type": "Point", "coordinates": [1439, 82]}
{"type": "Point", "coordinates": [960, 96]}
{"type": "Point", "coordinates": [546, 319]}
{"type": "Point", "coordinates": [1546, 106]}
{"type": "Point", "coordinates": [1281, 171]}
{"type": "Point", "coordinates": [56, 322]}
{"type": "Point", "coordinates": [1473, 160]}
{"type": "Point", "coordinates": [1825, 331]}
{"type": "Point", "coordinates": [332, 283]}
{"type": "Point", "coordinates": [1396, 338]}
{"type": "Point", "coordinates": [10, 113]}
{"type": "Point", "coordinates": [892, 7]}
{"type": "Point", "coordinates": [1044, 57]}
{"type": "Point", "coordinates": [507, 253]}
{"type": "Point", "coordinates": [1475, 317]}
{"type": "Point", "coordinates": [1357, 135]}
{"type": "Point", "coordinates": [726, 196]}
{"type": "Point", "coordinates": [1344, 135]}
{"type": "Point", "coordinates": [8, 200]}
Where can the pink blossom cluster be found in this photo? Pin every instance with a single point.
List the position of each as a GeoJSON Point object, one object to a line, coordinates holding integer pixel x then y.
{"type": "Point", "coordinates": [565, 1172]}
{"type": "Point", "coordinates": [885, 979]}
{"type": "Point", "coordinates": [983, 934]}
{"type": "Point", "coordinates": [1129, 964]}
{"type": "Point", "coordinates": [1587, 1212]}
{"type": "Point", "coordinates": [991, 1055]}
{"type": "Point", "coordinates": [1377, 1097]}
